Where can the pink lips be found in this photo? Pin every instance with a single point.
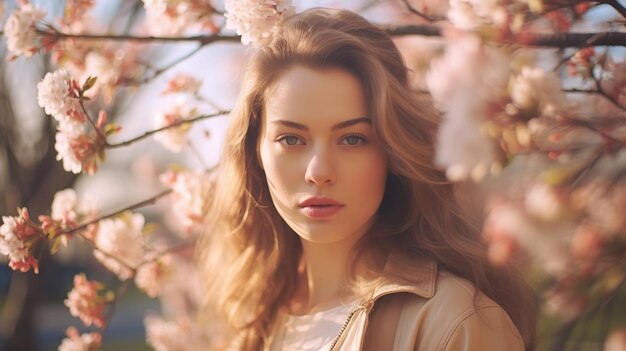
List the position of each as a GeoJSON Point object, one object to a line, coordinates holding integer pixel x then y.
{"type": "Point", "coordinates": [320, 207]}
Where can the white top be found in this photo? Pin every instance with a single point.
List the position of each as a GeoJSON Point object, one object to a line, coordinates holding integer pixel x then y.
{"type": "Point", "coordinates": [315, 331]}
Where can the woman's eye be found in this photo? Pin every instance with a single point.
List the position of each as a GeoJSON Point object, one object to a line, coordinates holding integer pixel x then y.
{"type": "Point", "coordinates": [353, 140]}
{"type": "Point", "coordinates": [290, 140]}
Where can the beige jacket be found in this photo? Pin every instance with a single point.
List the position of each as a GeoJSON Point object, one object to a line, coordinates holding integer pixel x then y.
{"type": "Point", "coordinates": [418, 308]}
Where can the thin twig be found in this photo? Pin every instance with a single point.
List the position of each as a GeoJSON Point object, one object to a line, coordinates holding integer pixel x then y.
{"type": "Point", "coordinates": [414, 11]}
{"type": "Point", "coordinates": [159, 71]}
{"type": "Point", "coordinates": [140, 204]}
{"type": "Point", "coordinates": [173, 125]}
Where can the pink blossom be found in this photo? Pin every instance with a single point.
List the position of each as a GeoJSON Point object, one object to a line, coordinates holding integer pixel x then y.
{"type": "Point", "coordinates": [152, 276]}
{"type": "Point", "coordinates": [182, 83]}
{"type": "Point", "coordinates": [533, 89]}
{"type": "Point", "coordinates": [76, 11]}
{"type": "Point", "coordinates": [551, 251]}
{"type": "Point", "coordinates": [173, 17]}
{"type": "Point", "coordinates": [86, 302]}
{"type": "Point", "coordinates": [465, 83]}
{"type": "Point", "coordinates": [190, 192]}
{"type": "Point", "coordinates": [256, 20]}
{"type": "Point", "coordinates": [17, 235]}
{"type": "Point", "coordinates": [542, 201]}
{"type": "Point", "coordinates": [164, 335]}
{"type": "Point", "coordinates": [175, 138]}
{"type": "Point", "coordinates": [64, 206]}
{"type": "Point", "coordinates": [80, 342]}
{"type": "Point", "coordinates": [470, 14]}
{"type": "Point", "coordinates": [120, 244]}
{"type": "Point", "coordinates": [20, 30]}
{"type": "Point", "coordinates": [79, 152]}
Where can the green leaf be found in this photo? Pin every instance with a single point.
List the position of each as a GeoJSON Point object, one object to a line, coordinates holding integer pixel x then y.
{"type": "Point", "coordinates": [89, 83]}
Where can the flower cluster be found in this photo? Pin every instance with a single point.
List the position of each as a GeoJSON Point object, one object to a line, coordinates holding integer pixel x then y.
{"type": "Point", "coordinates": [183, 83]}
{"type": "Point", "coordinates": [18, 235]}
{"type": "Point", "coordinates": [21, 30]}
{"type": "Point", "coordinates": [174, 17]}
{"type": "Point", "coordinates": [164, 335]}
{"type": "Point", "coordinates": [175, 138]}
{"type": "Point", "coordinates": [120, 244]}
{"type": "Point", "coordinates": [88, 301]}
{"type": "Point", "coordinates": [80, 342]}
{"type": "Point", "coordinates": [60, 96]}
{"type": "Point", "coordinates": [487, 111]}
{"type": "Point", "coordinates": [190, 193]}
{"type": "Point", "coordinates": [256, 20]}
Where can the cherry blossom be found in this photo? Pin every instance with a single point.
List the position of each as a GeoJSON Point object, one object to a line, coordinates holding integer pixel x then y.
{"type": "Point", "coordinates": [190, 192]}
{"type": "Point", "coordinates": [21, 32]}
{"type": "Point", "coordinates": [57, 99]}
{"type": "Point", "coordinates": [466, 93]}
{"type": "Point", "coordinates": [152, 276]}
{"type": "Point", "coordinates": [79, 152]}
{"type": "Point", "coordinates": [255, 20]}
{"type": "Point", "coordinates": [120, 244]}
{"type": "Point", "coordinates": [536, 90]}
{"type": "Point", "coordinates": [175, 138]}
{"type": "Point", "coordinates": [17, 235]}
{"type": "Point", "coordinates": [80, 342]}
{"type": "Point", "coordinates": [470, 14]}
{"type": "Point", "coordinates": [164, 335]}
{"type": "Point", "coordinates": [174, 17]}
{"type": "Point", "coordinates": [182, 83]}
{"type": "Point", "coordinates": [87, 301]}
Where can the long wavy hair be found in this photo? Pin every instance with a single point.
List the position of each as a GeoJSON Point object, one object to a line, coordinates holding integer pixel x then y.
{"type": "Point", "coordinates": [250, 256]}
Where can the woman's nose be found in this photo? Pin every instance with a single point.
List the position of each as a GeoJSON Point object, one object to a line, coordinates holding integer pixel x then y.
{"type": "Point", "coordinates": [320, 169]}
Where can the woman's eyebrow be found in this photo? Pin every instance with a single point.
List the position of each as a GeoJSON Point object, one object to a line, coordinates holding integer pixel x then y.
{"type": "Point", "coordinates": [337, 126]}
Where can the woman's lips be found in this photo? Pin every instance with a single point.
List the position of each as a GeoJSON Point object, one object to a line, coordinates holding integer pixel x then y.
{"type": "Point", "coordinates": [321, 211]}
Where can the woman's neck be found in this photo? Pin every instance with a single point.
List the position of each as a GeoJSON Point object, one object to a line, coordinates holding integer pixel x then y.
{"type": "Point", "coordinates": [324, 282]}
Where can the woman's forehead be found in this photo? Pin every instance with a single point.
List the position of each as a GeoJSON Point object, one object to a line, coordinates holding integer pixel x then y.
{"type": "Point", "coordinates": [321, 96]}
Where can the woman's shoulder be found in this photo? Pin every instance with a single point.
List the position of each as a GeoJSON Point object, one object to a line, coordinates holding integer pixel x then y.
{"type": "Point", "coordinates": [446, 311]}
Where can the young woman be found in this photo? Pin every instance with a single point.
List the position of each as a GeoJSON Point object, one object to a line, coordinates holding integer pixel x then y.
{"type": "Point", "coordinates": [330, 227]}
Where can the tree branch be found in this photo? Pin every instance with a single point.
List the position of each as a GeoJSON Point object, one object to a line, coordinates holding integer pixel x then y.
{"type": "Point", "coordinates": [173, 125]}
{"type": "Point", "coordinates": [558, 40]}
{"type": "Point", "coordinates": [617, 6]}
{"type": "Point", "coordinates": [420, 14]}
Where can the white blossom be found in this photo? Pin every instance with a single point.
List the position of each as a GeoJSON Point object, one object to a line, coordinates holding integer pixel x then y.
{"type": "Point", "coordinates": [64, 205]}
{"type": "Point", "coordinates": [80, 342]}
{"type": "Point", "coordinates": [469, 14]}
{"type": "Point", "coordinates": [175, 138]}
{"type": "Point", "coordinates": [10, 243]}
{"type": "Point", "coordinates": [256, 20]}
{"type": "Point", "coordinates": [190, 192]}
{"type": "Point", "coordinates": [542, 202]}
{"type": "Point", "coordinates": [65, 152]}
{"type": "Point", "coordinates": [535, 89]}
{"type": "Point", "coordinates": [464, 83]}
{"type": "Point", "coordinates": [152, 276]}
{"type": "Point", "coordinates": [55, 98]}
{"type": "Point", "coordinates": [174, 17]}
{"type": "Point", "coordinates": [121, 238]}
{"type": "Point", "coordinates": [20, 30]}
{"type": "Point", "coordinates": [164, 335]}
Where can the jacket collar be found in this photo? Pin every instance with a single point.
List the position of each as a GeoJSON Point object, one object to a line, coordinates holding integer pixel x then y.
{"type": "Point", "coordinates": [401, 273]}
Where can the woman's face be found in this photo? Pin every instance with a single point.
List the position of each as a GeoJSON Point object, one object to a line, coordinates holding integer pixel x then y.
{"type": "Point", "coordinates": [325, 169]}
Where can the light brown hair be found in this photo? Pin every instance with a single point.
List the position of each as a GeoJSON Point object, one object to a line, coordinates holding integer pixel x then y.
{"type": "Point", "coordinates": [250, 255]}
